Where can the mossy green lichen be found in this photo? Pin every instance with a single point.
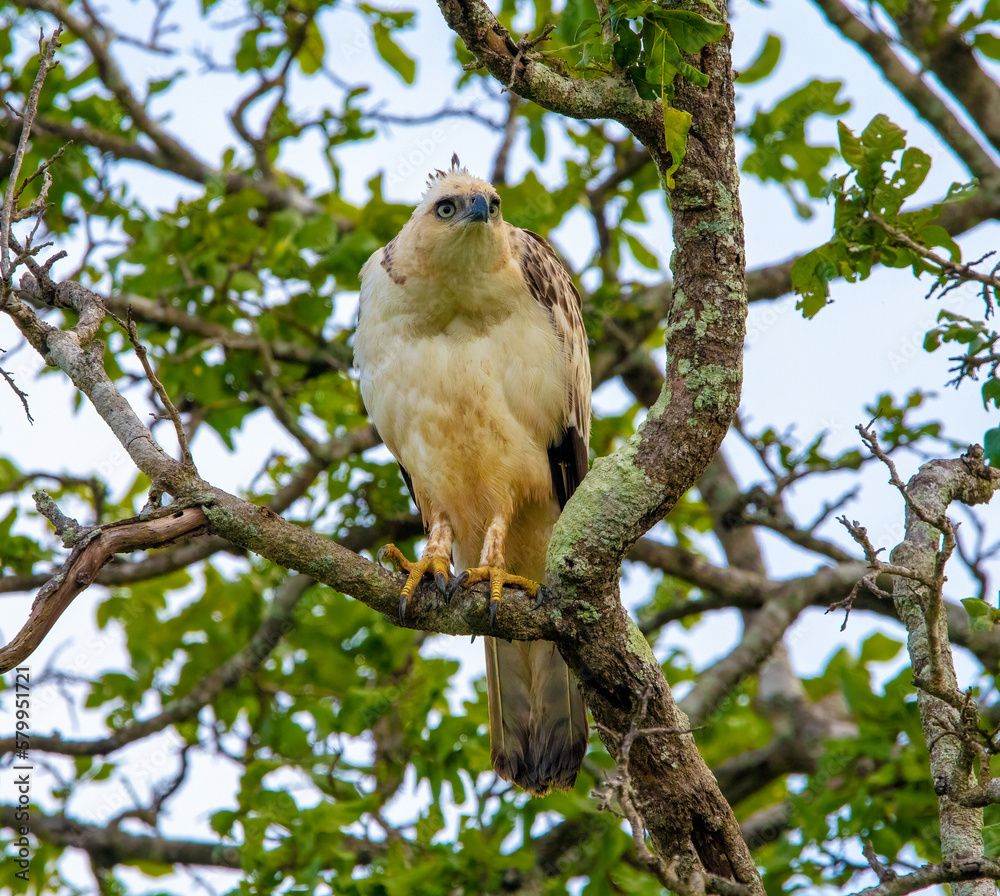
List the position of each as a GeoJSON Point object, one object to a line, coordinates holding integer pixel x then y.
{"type": "Point", "coordinates": [710, 314]}
{"type": "Point", "coordinates": [713, 227]}
{"type": "Point", "coordinates": [637, 644]}
{"type": "Point", "coordinates": [660, 405]}
{"type": "Point", "coordinates": [587, 612]}
{"type": "Point", "coordinates": [714, 385]}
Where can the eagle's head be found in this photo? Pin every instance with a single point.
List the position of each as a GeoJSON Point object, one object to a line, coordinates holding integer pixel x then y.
{"type": "Point", "coordinates": [458, 225]}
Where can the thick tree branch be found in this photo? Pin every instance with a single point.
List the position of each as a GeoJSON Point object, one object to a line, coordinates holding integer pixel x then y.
{"type": "Point", "coordinates": [179, 556]}
{"type": "Point", "coordinates": [928, 495]}
{"type": "Point", "coordinates": [980, 869]}
{"type": "Point", "coordinates": [746, 591]}
{"type": "Point", "coordinates": [613, 98]}
{"type": "Point", "coordinates": [114, 846]}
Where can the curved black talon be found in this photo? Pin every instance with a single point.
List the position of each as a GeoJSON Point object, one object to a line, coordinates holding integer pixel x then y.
{"type": "Point", "coordinates": [402, 608]}
{"type": "Point", "coordinates": [456, 583]}
{"type": "Point", "coordinates": [442, 583]}
{"type": "Point", "coordinates": [494, 606]}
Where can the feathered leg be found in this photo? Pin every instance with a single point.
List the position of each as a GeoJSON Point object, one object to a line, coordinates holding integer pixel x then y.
{"type": "Point", "coordinates": [436, 560]}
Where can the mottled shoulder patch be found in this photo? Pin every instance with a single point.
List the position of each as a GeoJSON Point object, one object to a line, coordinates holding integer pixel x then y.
{"type": "Point", "coordinates": [552, 287]}
{"type": "Point", "coordinates": [387, 263]}
{"type": "Point", "coordinates": [547, 279]}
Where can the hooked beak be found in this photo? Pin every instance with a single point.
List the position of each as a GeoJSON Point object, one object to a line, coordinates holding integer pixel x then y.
{"type": "Point", "coordinates": [479, 210]}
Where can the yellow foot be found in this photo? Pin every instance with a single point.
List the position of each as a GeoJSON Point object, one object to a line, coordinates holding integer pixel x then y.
{"type": "Point", "coordinates": [497, 579]}
{"type": "Point", "coordinates": [437, 566]}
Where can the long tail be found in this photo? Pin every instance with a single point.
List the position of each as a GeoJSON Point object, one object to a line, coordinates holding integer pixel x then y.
{"type": "Point", "coordinates": [538, 720]}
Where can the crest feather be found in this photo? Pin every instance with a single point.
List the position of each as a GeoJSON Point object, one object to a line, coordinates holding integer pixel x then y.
{"type": "Point", "coordinates": [437, 173]}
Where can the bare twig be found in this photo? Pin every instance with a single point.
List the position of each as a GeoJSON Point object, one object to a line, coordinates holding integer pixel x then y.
{"type": "Point", "coordinates": [67, 528]}
{"type": "Point", "coordinates": [140, 350]}
{"type": "Point", "coordinates": [948, 269]}
{"type": "Point", "coordinates": [20, 393]}
{"type": "Point", "coordinates": [885, 875]}
{"type": "Point", "coordinates": [46, 52]}
{"type": "Point", "coordinates": [619, 787]}
{"type": "Point", "coordinates": [860, 534]}
{"type": "Point", "coordinates": [975, 557]}
{"type": "Point", "coordinates": [42, 169]}
{"type": "Point", "coordinates": [378, 115]}
{"type": "Point", "coordinates": [162, 793]}
{"type": "Point", "coordinates": [524, 48]}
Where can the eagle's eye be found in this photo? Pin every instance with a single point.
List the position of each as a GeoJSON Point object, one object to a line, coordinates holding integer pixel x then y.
{"type": "Point", "coordinates": [494, 208]}
{"type": "Point", "coordinates": [445, 208]}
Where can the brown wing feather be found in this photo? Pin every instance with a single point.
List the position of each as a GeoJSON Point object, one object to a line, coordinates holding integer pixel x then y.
{"type": "Point", "coordinates": [552, 287]}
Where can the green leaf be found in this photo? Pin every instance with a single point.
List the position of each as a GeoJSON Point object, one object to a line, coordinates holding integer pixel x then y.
{"type": "Point", "coordinates": [935, 235]}
{"type": "Point", "coordinates": [628, 46]}
{"type": "Point", "coordinates": [570, 20]}
{"type": "Point", "coordinates": [883, 137]}
{"type": "Point", "coordinates": [642, 255]}
{"type": "Point", "coordinates": [811, 276]}
{"type": "Point", "coordinates": [536, 138]}
{"type": "Point", "coordinates": [879, 648]}
{"type": "Point", "coordinates": [161, 84]}
{"type": "Point", "coordinates": [664, 59]}
{"type": "Point", "coordinates": [991, 446]}
{"type": "Point", "coordinates": [850, 146]}
{"type": "Point", "coordinates": [913, 169]}
{"type": "Point", "coordinates": [392, 54]}
{"type": "Point", "coordinates": [676, 124]}
{"type": "Point", "coordinates": [975, 607]}
{"type": "Point", "coordinates": [988, 44]}
{"type": "Point", "coordinates": [689, 30]}
{"type": "Point", "coordinates": [765, 62]}
{"type": "Point", "coordinates": [596, 53]}
{"type": "Point", "coordinates": [313, 49]}
{"type": "Point", "coordinates": [991, 392]}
